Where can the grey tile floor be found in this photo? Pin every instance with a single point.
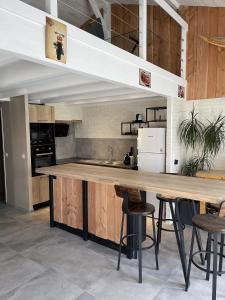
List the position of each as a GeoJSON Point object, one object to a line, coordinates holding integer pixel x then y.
{"type": "Point", "coordinates": [38, 262]}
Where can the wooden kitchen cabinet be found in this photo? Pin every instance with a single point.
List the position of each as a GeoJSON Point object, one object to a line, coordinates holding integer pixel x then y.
{"type": "Point", "coordinates": [41, 114]}
{"type": "Point", "coordinates": [40, 189]}
{"type": "Point", "coordinates": [35, 190]}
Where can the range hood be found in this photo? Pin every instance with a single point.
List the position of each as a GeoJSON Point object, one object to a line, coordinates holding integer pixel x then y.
{"type": "Point", "coordinates": [61, 129]}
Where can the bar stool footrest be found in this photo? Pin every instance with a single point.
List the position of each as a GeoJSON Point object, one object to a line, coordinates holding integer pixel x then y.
{"type": "Point", "coordinates": [134, 234]}
{"type": "Point", "coordinates": [201, 268]}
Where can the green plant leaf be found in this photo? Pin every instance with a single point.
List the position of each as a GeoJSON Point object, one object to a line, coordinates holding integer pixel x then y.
{"type": "Point", "coordinates": [214, 136]}
{"type": "Point", "coordinates": [190, 167]}
{"type": "Point", "coordinates": [191, 131]}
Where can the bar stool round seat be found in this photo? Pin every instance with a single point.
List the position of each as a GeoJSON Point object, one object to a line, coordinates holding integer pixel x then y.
{"type": "Point", "coordinates": [209, 223]}
{"type": "Point", "coordinates": [143, 209]}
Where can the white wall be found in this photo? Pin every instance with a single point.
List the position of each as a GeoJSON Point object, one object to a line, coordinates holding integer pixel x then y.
{"type": "Point", "coordinates": [179, 110]}
{"type": "Point", "coordinates": [104, 120]}
{"type": "Point", "coordinates": [99, 121]}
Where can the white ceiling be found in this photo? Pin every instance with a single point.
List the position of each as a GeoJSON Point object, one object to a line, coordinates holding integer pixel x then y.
{"type": "Point", "coordinates": [50, 85]}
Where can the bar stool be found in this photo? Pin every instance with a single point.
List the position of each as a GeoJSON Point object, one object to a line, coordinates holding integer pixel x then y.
{"type": "Point", "coordinates": [134, 206]}
{"type": "Point", "coordinates": [178, 226]}
{"type": "Point", "coordinates": [163, 199]}
{"type": "Point", "coordinates": [213, 208]}
{"type": "Point", "coordinates": [214, 225]}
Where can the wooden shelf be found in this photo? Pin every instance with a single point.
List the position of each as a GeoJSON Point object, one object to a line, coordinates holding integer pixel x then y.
{"type": "Point", "coordinates": [68, 121]}
{"type": "Point", "coordinates": [155, 118]}
{"type": "Point", "coordinates": [131, 131]}
{"type": "Point", "coordinates": [156, 121]}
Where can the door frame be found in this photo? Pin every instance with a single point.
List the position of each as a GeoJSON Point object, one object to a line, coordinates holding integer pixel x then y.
{"type": "Point", "coordinates": [3, 149]}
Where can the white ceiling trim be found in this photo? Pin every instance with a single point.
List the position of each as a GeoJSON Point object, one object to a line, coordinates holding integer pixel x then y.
{"type": "Point", "coordinates": [211, 3]}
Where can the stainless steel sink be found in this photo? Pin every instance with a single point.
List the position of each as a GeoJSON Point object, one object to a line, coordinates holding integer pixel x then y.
{"type": "Point", "coordinates": [101, 162]}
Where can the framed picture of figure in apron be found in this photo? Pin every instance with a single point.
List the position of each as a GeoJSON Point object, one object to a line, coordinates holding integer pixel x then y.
{"type": "Point", "coordinates": [56, 40]}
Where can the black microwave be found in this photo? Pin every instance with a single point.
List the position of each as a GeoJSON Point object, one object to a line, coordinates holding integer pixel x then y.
{"type": "Point", "coordinates": [42, 133]}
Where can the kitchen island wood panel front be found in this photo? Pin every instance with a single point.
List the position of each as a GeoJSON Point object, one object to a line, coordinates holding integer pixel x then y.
{"type": "Point", "coordinates": [68, 202]}
{"type": "Point", "coordinates": [104, 207]}
{"type": "Point", "coordinates": [104, 211]}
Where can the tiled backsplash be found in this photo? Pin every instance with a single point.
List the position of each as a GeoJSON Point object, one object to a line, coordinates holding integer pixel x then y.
{"type": "Point", "coordinates": [99, 148]}
{"type": "Point", "coordinates": [65, 147]}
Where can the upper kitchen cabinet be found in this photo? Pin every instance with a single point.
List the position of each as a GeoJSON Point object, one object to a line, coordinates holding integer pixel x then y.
{"type": "Point", "coordinates": [64, 112]}
{"type": "Point", "coordinates": [41, 114]}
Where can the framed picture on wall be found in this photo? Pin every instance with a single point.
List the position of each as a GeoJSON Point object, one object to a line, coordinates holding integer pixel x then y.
{"type": "Point", "coordinates": [144, 78]}
{"type": "Point", "coordinates": [181, 91]}
{"type": "Point", "coordinates": [56, 40]}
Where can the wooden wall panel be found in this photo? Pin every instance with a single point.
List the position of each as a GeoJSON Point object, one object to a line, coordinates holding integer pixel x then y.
{"type": "Point", "coordinates": [220, 91]}
{"type": "Point", "coordinates": [164, 34]}
{"type": "Point", "coordinates": [205, 63]}
{"type": "Point", "coordinates": [104, 211]}
{"type": "Point", "coordinates": [124, 23]}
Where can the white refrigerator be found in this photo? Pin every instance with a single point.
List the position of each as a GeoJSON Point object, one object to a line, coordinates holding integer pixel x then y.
{"type": "Point", "coordinates": [151, 145]}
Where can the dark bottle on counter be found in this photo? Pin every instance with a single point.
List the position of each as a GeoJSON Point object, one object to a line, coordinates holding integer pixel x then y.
{"type": "Point", "coordinates": [131, 153]}
{"type": "Point", "coordinates": [127, 159]}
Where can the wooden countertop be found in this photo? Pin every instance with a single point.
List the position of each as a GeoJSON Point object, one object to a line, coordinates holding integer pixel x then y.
{"type": "Point", "coordinates": [205, 190]}
{"type": "Point", "coordinates": [212, 174]}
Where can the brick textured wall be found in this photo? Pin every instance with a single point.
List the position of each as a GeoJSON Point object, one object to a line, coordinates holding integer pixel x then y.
{"type": "Point", "coordinates": [179, 110]}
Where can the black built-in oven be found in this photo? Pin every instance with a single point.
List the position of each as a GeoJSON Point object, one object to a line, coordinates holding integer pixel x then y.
{"type": "Point", "coordinates": [42, 156]}
{"type": "Point", "coordinates": [42, 138]}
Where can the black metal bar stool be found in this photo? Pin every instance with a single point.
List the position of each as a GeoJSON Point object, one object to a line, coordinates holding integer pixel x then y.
{"type": "Point", "coordinates": [213, 208]}
{"type": "Point", "coordinates": [162, 207]}
{"type": "Point", "coordinates": [178, 226]}
{"type": "Point", "coordinates": [214, 225]}
{"type": "Point", "coordinates": [134, 206]}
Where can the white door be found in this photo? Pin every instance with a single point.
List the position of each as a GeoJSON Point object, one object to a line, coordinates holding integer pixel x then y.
{"type": "Point", "coordinates": [151, 140]}
{"type": "Point", "coordinates": [151, 162]}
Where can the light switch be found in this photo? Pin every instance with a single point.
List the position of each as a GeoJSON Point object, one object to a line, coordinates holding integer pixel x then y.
{"type": "Point", "coordinates": [23, 156]}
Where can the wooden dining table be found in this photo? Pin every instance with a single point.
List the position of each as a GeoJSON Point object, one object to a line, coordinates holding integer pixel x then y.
{"type": "Point", "coordinates": [83, 177]}
{"type": "Point", "coordinates": [212, 174]}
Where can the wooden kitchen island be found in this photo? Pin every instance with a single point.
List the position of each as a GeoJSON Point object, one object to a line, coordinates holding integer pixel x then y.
{"type": "Point", "coordinates": [74, 183]}
{"type": "Point", "coordinates": [83, 199]}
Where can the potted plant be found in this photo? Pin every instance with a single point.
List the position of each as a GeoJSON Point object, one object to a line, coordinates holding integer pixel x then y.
{"type": "Point", "coordinates": [203, 139]}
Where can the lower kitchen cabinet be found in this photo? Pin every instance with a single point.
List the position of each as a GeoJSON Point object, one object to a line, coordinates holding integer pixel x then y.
{"type": "Point", "coordinates": [40, 189]}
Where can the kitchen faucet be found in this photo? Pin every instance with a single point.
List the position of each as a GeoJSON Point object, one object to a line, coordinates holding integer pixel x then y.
{"type": "Point", "coordinates": [110, 150]}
